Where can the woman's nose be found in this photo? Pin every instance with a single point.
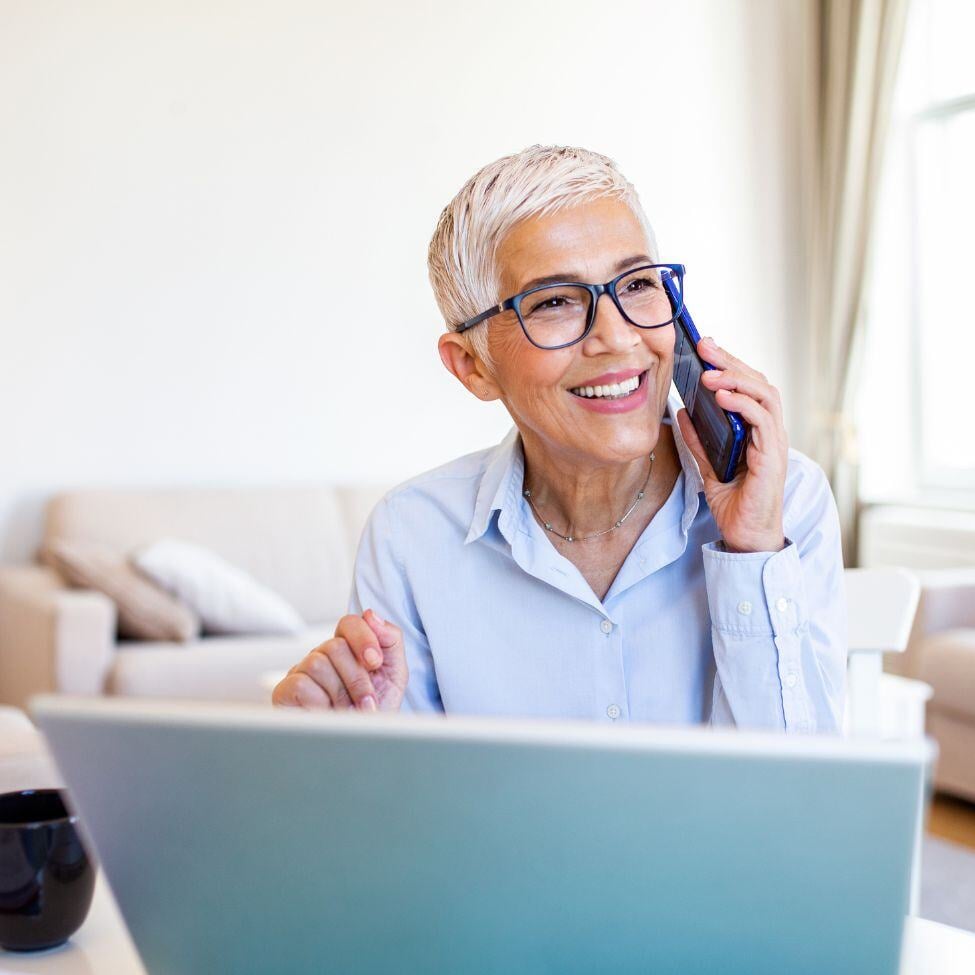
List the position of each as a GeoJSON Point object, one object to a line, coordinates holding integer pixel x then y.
{"type": "Point", "coordinates": [611, 328]}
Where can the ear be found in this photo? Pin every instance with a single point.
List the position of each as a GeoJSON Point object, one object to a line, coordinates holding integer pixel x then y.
{"type": "Point", "coordinates": [459, 359]}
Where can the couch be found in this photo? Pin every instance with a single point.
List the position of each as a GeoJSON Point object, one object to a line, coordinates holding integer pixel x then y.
{"type": "Point", "coordinates": [298, 540]}
{"type": "Point", "coordinates": [941, 652]}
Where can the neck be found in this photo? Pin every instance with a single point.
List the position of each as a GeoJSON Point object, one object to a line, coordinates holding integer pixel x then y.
{"type": "Point", "coordinates": [583, 498]}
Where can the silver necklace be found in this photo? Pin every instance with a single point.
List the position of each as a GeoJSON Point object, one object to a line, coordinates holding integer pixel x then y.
{"type": "Point", "coordinates": [582, 538]}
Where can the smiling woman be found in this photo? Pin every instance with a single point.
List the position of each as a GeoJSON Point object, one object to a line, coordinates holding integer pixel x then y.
{"type": "Point", "coordinates": [591, 565]}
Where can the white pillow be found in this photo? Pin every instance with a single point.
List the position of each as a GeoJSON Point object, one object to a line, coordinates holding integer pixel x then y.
{"type": "Point", "coordinates": [226, 598]}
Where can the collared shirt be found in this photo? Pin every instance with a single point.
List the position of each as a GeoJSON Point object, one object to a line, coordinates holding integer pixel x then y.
{"type": "Point", "coordinates": [496, 621]}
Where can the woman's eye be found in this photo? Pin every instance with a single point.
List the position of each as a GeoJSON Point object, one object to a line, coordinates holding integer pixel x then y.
{"type": "Point", "coordinates": [640, 284]}
{"type": "Point", "coordinates": [547, 303]}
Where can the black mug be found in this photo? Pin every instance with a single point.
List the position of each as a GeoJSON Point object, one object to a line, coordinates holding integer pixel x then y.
{"type": "Point", "coordinates": [46, 877]}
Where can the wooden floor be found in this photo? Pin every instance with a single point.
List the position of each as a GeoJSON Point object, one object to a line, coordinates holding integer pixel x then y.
{"type": "Point", "coordinates": [952, 819]}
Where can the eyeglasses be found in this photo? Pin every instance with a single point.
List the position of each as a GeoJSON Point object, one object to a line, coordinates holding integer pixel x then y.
{"type": "Point", "coordinates": [554, 316]}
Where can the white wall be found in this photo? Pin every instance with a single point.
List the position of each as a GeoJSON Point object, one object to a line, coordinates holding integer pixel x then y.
{"type": "Point", "coordinates": [195, 198]}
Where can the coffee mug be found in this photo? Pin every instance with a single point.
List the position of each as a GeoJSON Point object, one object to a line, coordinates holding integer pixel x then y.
{"type": "Point", "coordinates": [46, 877]}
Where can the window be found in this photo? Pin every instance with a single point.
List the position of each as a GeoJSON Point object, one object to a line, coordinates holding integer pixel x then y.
{"type": "Point", "coordinates": [916, 404]}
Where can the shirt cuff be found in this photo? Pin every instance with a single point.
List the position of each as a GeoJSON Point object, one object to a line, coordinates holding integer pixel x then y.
{"type": "Point", "coordinates": [753, 593]}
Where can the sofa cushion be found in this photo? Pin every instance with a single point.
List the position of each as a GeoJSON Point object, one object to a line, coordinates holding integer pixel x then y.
{"type": "Point", "coordinates": [948, 665]}
{"type": "Point", "coordinates": [214, 668]}
{"type": "Point", "coordinates": [297, 540]}
{"type": "Point", "coordinates": [145, 611]}
{"type": "Point", "coordinates": [225, 597]}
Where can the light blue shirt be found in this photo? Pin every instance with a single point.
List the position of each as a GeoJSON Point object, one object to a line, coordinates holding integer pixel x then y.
{"type": "Point", "coordinates": [497, 622]}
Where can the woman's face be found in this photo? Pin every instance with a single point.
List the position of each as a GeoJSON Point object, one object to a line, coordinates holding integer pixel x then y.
{"type": "Point", "coordinates": [591, 242]}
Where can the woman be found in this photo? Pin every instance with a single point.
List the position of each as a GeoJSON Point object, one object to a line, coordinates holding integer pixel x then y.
{"type": "Point", "coordinates": [591, 565]}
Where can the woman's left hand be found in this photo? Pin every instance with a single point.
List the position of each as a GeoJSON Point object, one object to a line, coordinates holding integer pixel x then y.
{"type": "Point", "coordinates": [748, 508]}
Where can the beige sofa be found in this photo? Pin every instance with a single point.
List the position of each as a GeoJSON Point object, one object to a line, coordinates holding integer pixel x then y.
{"type": "Point", "coordinates": [298, 540]}
{"type": "Point", "coordinates": [941, 651]}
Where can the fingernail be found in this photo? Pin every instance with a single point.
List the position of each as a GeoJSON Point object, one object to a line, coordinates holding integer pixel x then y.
{"type": "Point", "coordinates": [372, 657]}
{"type": "Point", "coordinates": [709, 342]}
{"type": "Point", "coordinates": [368, 703]}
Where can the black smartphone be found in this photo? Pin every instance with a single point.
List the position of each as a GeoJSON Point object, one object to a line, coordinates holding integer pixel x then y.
{"type": "Point", "coordinates": [722, 432]}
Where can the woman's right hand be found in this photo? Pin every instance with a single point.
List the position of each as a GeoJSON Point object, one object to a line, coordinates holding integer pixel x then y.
{"type": "Point", "coordinates": [363, 666]}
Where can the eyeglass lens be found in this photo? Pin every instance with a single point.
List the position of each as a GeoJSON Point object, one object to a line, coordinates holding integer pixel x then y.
{"type": "Point", "coordinates": [558, 314]}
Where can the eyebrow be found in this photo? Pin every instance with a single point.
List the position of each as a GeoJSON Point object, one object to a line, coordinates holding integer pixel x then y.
{"type": "Point", "coordinates": [575, 275]}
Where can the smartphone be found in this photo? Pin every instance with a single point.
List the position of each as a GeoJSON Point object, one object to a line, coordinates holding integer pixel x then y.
{"type": "Point", "coordinates": [722, 432]}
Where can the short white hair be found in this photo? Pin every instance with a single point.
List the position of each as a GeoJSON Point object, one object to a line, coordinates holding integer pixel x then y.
{"type": "Point", "coordinates": [537, 181]}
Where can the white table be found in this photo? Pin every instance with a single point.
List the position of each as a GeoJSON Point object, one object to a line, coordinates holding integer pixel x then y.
{"type": "Point", "coordinates": [102, 947]}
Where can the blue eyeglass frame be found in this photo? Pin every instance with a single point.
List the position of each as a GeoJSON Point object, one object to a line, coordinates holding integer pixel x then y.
{"type": "Point", "coordinates": [595, 291]}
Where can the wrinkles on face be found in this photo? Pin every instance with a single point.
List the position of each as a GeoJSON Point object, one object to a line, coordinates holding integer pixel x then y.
{"type": "Point", "coordinates": [585, 242]}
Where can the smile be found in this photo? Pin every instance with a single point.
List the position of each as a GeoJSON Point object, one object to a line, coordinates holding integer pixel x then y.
{"type": "Point", "coordinates": [615, 398]}
{"type": "Point", "coordinates": [613, 391]}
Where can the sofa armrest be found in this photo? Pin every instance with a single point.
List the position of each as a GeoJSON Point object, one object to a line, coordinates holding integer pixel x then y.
{"type": "Point", "coordinates": [52, 638]}
{"type": "Point", "coordinates": [947, 603]}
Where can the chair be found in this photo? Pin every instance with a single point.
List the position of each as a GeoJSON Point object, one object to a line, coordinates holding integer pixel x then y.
{"type": "Point", "coordinates": [941, 652]}
{"type": "Point", "coordinates": [881, 605]}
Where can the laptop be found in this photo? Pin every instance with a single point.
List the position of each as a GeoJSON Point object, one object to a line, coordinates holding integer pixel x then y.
{"type": "Point", "coordinates": [248, 839]}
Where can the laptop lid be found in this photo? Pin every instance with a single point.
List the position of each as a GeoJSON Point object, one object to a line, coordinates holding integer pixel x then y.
{"type": "Point", "coordinates": [249, 839]}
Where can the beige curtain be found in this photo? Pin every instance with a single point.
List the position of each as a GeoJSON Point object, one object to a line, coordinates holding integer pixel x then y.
{"type": "Point", "coordinates": [854, 51]}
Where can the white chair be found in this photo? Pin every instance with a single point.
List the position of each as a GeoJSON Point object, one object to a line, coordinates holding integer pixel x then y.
{"type": "Point", "coordinates": [881, 604]}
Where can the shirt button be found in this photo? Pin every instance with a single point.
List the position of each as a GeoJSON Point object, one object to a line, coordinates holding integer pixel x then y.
{"type": "Point", "coordinates": [744, 607]}
{"type": "Point", "coordinates": [781, 604]}
{"type": "Point", "coordinates": [791, 680]}
{"type": "Point", "coordinates": [606, 626]}
{"type": "Point", "coordinates": [613, 711]}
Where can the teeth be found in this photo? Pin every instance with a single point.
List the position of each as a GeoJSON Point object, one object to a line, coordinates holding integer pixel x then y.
{"type": "Point", "coordinates": [614, 390]}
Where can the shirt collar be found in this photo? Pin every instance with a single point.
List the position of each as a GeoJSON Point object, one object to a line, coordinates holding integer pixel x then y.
{"type": "Point", "coordinates": [501, 483]}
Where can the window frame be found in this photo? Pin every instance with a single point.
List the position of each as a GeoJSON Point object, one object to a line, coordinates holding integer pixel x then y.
{"type": "Point", "coordinates": [930, 478]}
